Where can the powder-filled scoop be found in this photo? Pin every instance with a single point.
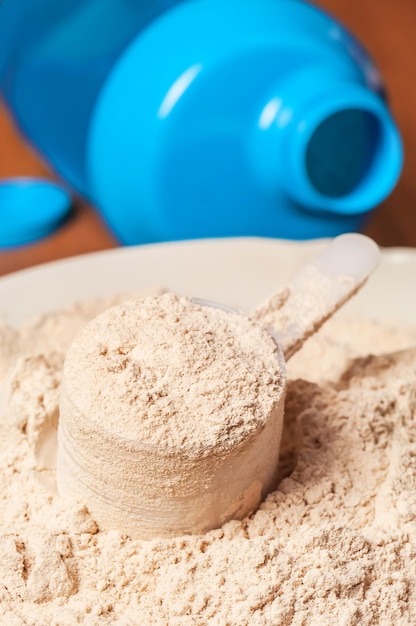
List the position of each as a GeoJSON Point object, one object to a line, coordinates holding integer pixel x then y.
{"type": "Point", "coordinates": [172, 411]}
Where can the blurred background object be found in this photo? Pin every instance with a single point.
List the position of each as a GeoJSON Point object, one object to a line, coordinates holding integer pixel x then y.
{"type": "Point", "coordinates": [217, 118]}
{"type": "Point", "coordinates": [31, 208]}
{"type": "Point", "coordinates": [390, 224]}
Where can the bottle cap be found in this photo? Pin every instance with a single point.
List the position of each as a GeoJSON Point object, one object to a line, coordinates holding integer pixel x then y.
{"type": "Point", "coordinates": [30, 208]}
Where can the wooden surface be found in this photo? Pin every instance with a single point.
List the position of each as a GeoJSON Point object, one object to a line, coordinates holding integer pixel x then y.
{"type": "Point", "coordinates": [386, 28]}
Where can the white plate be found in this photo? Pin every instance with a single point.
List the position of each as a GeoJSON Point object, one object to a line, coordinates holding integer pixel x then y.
{"type": "Point", "coordinates": [237, 272]}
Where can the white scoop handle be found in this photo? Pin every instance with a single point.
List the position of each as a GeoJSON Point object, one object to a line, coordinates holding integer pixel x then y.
{"type": "Point", "coordinates": [317, 290]}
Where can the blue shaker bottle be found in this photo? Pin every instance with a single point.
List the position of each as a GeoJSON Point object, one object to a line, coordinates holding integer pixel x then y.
{"type": "Point", "coordinates": [202, 118]}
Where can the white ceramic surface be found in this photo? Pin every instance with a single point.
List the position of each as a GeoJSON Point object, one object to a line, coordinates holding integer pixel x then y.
{"type": "Point", "coordinates": [237, 272]}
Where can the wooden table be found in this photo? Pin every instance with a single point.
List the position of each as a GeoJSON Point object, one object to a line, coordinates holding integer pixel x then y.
{"type": "Point", "coordinates": [387, 29]}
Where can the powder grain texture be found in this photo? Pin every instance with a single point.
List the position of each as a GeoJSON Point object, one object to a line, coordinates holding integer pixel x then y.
{"type": "Point", "coordinates": [300, 308]}
{"type": "Point", "coordinates": [170, 417]}
{"type": "Point", "coordinates": [334, 544]}
{"type": "Point", "coordinates": [172, 374]}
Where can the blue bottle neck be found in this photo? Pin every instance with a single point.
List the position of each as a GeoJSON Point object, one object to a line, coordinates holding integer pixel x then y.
{"type": "Point", "coordinates": [328, 140]}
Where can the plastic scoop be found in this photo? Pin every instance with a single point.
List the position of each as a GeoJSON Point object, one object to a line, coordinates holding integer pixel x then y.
{"type": "Point", "coordinates": [148, 489]}
{"type": "Point", "coordinates": [318, 290]}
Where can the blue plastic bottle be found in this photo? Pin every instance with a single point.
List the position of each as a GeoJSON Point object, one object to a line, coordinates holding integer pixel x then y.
{"type": "Point", "coordinates": [202, 118]}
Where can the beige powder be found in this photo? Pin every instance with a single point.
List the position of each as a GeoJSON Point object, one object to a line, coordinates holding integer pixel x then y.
{"type": "Point", "coordinates": [170, 417]}
{"type": "Point", "coordinates": [160, 372]}
{"type": "Point", "coordinates": [297, 311]}
{"type": "Point", "coordinates": [334, 544]}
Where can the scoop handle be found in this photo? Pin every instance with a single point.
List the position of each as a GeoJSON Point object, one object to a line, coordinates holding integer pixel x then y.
{"type": "Point", "coordinates": [317, 290]}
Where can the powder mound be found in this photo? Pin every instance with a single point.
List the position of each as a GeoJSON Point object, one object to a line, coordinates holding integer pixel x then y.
{"type": "Point", "coordinates": [171, 373]}
{"type": "Point", "coordinates": [333, 545]}
{"type": "Point", "coordinates": [32, 393]}
{"type": "Point", "coordinates": [9, 344]}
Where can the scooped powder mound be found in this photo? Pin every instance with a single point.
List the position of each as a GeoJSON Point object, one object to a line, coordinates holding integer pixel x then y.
{"type": "Point", "coordinates": [170, 417]}
{"type": "Point", "coordinates": [162, 369]}
{"type": "Point", "coordinates": [334, 544]}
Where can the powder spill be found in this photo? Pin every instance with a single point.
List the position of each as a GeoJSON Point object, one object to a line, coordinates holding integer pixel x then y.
{"type": "Point", "coordinates": [333, 544]}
